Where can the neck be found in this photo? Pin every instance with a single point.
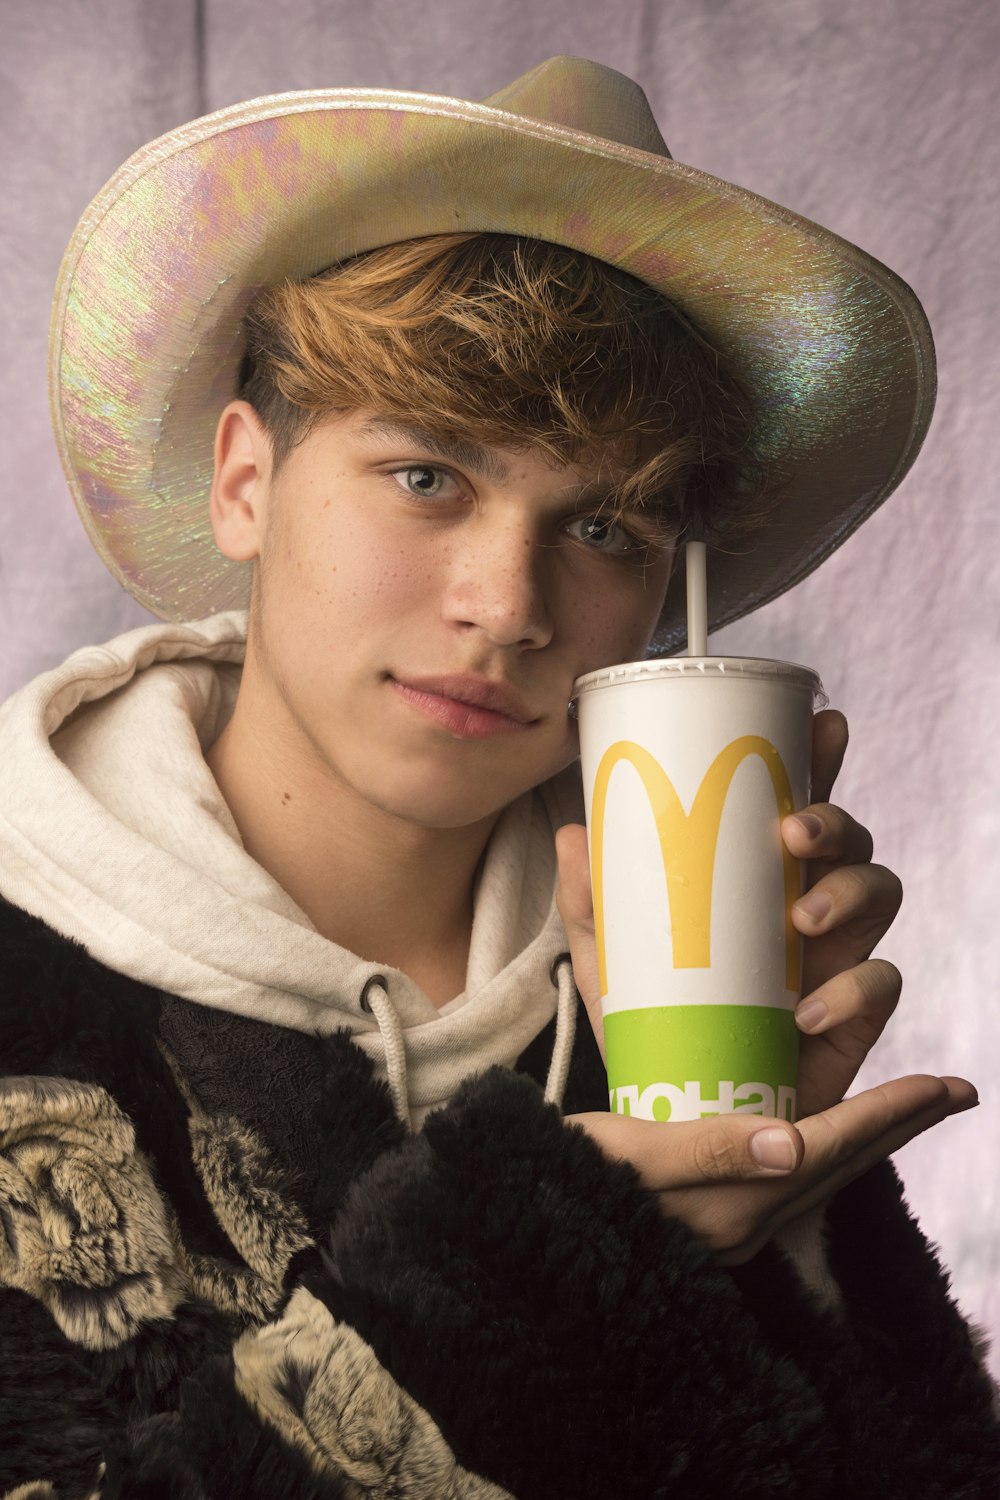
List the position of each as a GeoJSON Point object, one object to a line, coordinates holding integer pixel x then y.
{"type": "Point", "coordinates": [389, 890]}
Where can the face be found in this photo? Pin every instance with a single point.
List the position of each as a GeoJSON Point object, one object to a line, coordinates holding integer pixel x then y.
{"type": "Point", "coordinates": [422, 608]}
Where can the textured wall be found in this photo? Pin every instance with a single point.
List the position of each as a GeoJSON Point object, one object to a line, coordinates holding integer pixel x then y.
{"type": "Point", "coordinates": [876, 117]}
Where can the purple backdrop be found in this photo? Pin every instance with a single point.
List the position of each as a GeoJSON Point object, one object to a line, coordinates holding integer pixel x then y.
{"type": "Point", "coordinates": [879, 120]}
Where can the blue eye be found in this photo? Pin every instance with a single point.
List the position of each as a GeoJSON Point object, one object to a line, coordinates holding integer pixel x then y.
{"type": "Point", "coordinates": [427, 482]}
{"type": "Point", "coordinates": [603, 534]}
{"type": "Point", "coordinates": [422, 480]}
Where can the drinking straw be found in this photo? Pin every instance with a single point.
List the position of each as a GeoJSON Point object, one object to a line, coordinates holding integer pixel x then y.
{"type": "Point", "coordinates": [697, 599]}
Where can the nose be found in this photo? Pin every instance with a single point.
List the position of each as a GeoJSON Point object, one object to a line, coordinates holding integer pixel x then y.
{"type": "Point", "coordinates": [497, 584]}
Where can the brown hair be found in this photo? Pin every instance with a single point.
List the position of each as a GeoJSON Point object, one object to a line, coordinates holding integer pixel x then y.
{"type": "Point", "coordinates": [516, 343]}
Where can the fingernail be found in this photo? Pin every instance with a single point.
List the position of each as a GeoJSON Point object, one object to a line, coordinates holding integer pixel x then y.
{"type": "Point", "coordinates": [773, 1149]}
{"type": "Point", "coordinates": [810, 824]}
{"type": "Point", "coordinates": [816, 905]}
{"type": "Point", "coordinates": [810, 1013]}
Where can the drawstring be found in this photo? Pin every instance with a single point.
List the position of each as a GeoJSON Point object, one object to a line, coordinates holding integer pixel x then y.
{"type": "Point", "coordinates": [561, 975]}
{"type": "Point", "coordinates": [375, 999]}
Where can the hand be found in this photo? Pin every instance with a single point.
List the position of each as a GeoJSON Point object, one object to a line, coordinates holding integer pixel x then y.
{"type": "Point", "coordinates": [861, 901]}
{"type": "Point", "coordinates": [700, 1168]}
{"type": "Point", "coordinates": [706, 1174]}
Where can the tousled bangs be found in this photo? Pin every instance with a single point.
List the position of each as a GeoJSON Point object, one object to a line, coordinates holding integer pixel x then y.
{"type": "Point", "coordinates": [515, 343]}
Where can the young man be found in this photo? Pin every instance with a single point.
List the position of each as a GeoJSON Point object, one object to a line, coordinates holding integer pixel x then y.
{"type": "Point", "coordinates": [306, 1175]}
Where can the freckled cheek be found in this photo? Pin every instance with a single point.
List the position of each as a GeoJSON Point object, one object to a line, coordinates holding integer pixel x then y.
{"type": "Point", "coordinates": [606, 633]}
{"type": "Point", "coordinates": [359, 586]}
{"type": "Point", "coordinates": [326, 556]}
{"type": "Point", "coordinates": [397, 582]}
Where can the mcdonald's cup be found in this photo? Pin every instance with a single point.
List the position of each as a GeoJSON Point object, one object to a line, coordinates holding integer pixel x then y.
{"type": "Point", "coordinates": [689, 765]}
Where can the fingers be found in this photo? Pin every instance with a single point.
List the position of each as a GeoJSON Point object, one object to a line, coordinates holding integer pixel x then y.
{"type": "Point", "coordinates": [575, 901]}
{"type": "Point", "coordinates": [824, 832]}
{"type": "Point", "coordinates": [574, 897]}
{"type": "Point", "coordinates": [869, 992]}
{"type": "Point", "coordinates": [703, 1170]}
{"type": "Point", "coordinates": [843, 1142]}
{"type": "Point", "coordinates": [850, 892]}
{"type": "Point", "coordinates": [830, 736]}
{"type": "Point", "coordinates": [840, 1145]}
{"type": "Point", "coordinates": [728, 1148]}
{"type": "Point", "coordinates": [889, 1112]}
{"type": "Point", "coordinates": [690, 1153]}
{"type": "Point", "coordinates": [850, 906]}
{"type": "Point", "coordinates": [841, 1021]}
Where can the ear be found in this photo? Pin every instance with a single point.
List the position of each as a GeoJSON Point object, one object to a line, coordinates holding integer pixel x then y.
{"type": "Point", "coordinates": [240, 483]}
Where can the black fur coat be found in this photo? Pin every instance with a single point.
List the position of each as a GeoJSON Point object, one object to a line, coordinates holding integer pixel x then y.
{"type": "Point", "coordinates": [225, 1270]}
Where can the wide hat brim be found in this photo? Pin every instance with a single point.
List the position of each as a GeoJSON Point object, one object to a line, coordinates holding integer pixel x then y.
{"type": "Point", "coordinates": [147, 340]}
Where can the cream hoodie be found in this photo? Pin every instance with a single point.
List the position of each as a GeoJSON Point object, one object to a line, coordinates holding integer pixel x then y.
{"type": "Point", "coordinates": [114, 832]}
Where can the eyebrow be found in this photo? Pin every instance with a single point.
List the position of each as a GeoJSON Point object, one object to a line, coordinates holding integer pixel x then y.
{"type": "Point", "coordinates": [468, 455]}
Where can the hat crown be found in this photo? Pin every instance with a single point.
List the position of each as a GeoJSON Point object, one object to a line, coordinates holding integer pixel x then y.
{"type": "Point", "coordinates": [584, 96]}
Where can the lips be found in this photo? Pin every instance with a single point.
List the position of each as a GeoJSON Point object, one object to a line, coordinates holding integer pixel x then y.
{"type": "Point", "coordinates": [477, 692]}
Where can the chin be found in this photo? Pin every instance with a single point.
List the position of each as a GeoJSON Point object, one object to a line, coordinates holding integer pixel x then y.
{"type": "Point", "coordinates": [446, 807]}
{"type": "Point", "coordinates": [442, 792]}
{"type": "Point", "coordinates": [439, 797]}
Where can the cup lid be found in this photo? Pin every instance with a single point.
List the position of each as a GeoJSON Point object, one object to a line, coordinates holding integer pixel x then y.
{"type": "Point", "coordinates": [743, 667]}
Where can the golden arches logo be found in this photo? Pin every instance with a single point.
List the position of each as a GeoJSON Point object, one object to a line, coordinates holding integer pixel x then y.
{"type": "Point", "coordinates": [687, 845]}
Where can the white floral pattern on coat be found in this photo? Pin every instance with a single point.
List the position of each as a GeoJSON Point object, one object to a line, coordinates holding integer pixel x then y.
{"type": "Point", "coordinates": [321, 1386]}
{"type": "Point", "coordinates": [84, 1229]}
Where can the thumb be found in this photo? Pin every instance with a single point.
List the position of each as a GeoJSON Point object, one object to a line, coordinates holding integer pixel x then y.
{"type": "Point", "coordinates": [691, 1153]}
{"type": "Point", "coordinates": [575, 901]}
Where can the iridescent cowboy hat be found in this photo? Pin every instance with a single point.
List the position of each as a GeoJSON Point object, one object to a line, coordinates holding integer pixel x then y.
{"type": "Point", "coordinates": [146, 336]}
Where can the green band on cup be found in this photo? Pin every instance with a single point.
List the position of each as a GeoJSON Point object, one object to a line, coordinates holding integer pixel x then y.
{"type": "Point", "coordinates": [680, 1062]}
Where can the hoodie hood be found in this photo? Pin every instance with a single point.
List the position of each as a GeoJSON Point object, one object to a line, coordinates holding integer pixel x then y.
{"type": "Point", "coordinates": [114, 832]}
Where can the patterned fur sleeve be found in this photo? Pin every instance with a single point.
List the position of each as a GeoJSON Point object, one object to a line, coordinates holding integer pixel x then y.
{"type": "Point", "coordinates": [117, 1379]}
{"type": "Point", "coordinates": [212, 1286]}
{"type": "Point", "coordinates": [497, 1311]}
{"type": "Point", "coordinates": [570, 1340]}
